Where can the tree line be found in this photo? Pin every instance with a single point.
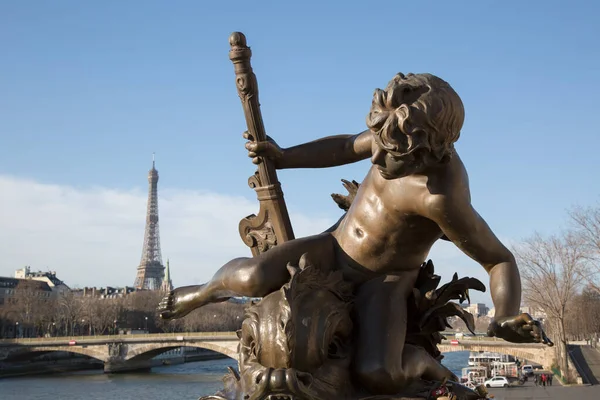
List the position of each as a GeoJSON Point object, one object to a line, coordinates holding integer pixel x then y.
{"type": "Point", "coordinates": [30, 315]}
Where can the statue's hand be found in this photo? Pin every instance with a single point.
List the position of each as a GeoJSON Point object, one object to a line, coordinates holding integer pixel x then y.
{"type": "Point", "coordinates": [269, 149]}
{"type": "Point", "coordinates": [518, 329]}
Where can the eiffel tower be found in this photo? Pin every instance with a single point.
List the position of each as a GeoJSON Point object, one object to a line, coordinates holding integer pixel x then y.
{"type": "Point", "coordinates": [151, 271]}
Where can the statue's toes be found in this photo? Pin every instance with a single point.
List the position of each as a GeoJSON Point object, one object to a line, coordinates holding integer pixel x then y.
{"type": "Point", "coordinates": [163, 305]}
{"type": "Point", "coordinates": [167, 314]}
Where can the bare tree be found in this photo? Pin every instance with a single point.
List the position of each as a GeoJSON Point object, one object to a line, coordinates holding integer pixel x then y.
{"type": "Point", "coordinates": [586, 226]}
{"type": "Point", "coordinates": [8, 318]}
{"type": "Point", "coordinates": [69, 313]}
{"type": "Point", "coordinates": [583, 318]}
{"type": "Point", "coordinates": [551, 268]}
{"type": "Point", "coordinates": [218, 317]}
{"type": "Point", "coordinates": [168, 326]}
{"type": "Point", "coordinates": [32, 307]}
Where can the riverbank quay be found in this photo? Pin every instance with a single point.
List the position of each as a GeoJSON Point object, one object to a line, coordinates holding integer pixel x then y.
{"type": "Point", "coordinates": [556, 392]}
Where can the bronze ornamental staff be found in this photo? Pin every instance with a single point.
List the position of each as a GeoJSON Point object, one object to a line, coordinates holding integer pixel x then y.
{"type": "Point", "coordinates": [272, 224]}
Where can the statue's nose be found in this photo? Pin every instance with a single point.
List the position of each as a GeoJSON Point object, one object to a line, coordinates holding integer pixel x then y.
{"type": "Point", "coordinates": [277, 380]}
{"type": "Point", "coordinates": [377, 157]}
{"type": "Point", "coordinates": [286, 380]}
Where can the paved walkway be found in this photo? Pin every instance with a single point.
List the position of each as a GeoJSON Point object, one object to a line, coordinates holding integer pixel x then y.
{"type": "Point", "coordinates": [531, 392]}
{"type": "Point", "coordinates": [587, 362]}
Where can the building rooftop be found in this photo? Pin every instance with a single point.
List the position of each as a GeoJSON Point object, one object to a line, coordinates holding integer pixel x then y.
{"type": "Point", "coordinates": [16, 283]}
{"type": "Point", "coordinates": [48, 276]}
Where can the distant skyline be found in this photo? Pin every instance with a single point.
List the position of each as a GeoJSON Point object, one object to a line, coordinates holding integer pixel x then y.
{"type": "Point", "coordinates": [90, 90]}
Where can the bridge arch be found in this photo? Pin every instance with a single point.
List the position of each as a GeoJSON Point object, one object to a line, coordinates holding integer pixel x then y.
{"type": "Point", "coordinates": [150, 350]}
{"type": "Point", "coordinates": [27, 353]}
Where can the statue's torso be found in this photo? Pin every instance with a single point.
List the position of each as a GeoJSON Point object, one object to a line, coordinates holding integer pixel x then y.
{"type": "Point", "coordinates": [386, 229]}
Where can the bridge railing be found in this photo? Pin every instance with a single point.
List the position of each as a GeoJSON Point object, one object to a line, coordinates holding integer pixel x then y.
{"type": "Point", "coordinates": [183, 335]}
{"type": "Point", "coordinates": [467, 339]}
{"type": "Point", "coordinates": [173, 335]}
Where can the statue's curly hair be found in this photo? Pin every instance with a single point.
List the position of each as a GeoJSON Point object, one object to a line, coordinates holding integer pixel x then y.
{"type": "Point", "coordinates": [417, 111]}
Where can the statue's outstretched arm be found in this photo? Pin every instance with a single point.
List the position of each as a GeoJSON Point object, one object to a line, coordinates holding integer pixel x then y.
{"type": "Point", "coordinates": [330, 151]}
{"type": "Point", "coordinates": [463, 226]}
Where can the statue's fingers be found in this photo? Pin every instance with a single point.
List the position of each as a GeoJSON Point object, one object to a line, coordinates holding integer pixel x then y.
{"type": "Point", "coordinates": [546, 340]}
{"type": "Point", "coordinates": [248, 136]}
{"type": "Point", "coordinates": [528, 328]}
{"type": "Point", "coordinates": [537, 332]}
{"type": "Point", "coordinates": [263, 146]}
{"type": "Point", "coordinates": [259, 147]}
{"type": "Point", "coordinates": [347, 185]}
{"type": "Point", "coordinates": [526, 318]}
{"type": "Point", "coordinates": [252, 154]}
{"type": "Point", "coordinates": [534, 325]}
{"type": "Point", "coordinates": [256, 160]}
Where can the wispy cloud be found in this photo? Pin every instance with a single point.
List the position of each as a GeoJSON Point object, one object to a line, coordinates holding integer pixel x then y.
{"type": "Point", "coordinates": [93, 236]}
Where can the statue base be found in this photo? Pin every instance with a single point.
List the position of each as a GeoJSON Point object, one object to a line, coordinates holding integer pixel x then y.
{"type": "Point", "coordinates": [297, 343]}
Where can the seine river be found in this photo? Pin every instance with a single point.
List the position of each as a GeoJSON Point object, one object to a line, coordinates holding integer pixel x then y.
{"type": "Point", "coordinates": [178, 382]}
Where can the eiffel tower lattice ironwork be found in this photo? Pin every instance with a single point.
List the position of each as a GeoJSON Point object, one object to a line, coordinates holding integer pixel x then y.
{"type": "Point", "coordinates": [151, 271]}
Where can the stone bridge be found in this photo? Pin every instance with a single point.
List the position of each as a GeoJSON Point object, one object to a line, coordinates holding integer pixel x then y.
{"type": "Point", "coordinates": [533, 352]}
{"type": "Point", "coordinates": [120, 352]}
{"type": "Point", "coordinates": [131, 352]}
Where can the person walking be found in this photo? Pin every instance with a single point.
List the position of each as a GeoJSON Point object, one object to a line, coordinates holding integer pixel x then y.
{"type": "Point", "coordinates": [536, 379]}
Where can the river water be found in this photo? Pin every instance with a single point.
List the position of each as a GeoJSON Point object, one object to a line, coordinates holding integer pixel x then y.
{"type": "Point", "coordinates": [178, 382]}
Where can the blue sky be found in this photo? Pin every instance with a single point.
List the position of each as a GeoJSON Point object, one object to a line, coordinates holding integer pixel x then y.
{"type": "Point", "coordinates": [89, 90]}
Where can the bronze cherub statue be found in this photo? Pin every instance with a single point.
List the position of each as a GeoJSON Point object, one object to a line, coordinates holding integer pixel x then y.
{"type": "Point", "coordinates": [415, 193]}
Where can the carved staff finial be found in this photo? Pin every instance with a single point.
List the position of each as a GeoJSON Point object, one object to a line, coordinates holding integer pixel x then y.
{"type": "Point", "coordinates": [237, 39]}
{"type": "Point", "coordinates": [272, 225]}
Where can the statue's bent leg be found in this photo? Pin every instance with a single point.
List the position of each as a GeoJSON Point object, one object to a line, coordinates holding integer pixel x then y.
{"type": "Point", "coordinates": [383, 363]}
{"type": "Point", "coordinates": [246, 276]}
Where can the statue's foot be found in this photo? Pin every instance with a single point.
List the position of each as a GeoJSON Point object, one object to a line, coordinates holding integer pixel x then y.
{"type": "Point", "coordinates": [180, 302]}
{"type": "Point", "coordinates": [450, 376]}
{"type": "Point", "coordinates": [442, 374]}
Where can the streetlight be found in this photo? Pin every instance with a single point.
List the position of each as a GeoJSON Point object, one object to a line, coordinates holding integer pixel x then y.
{"type": "Point", "coordinates": [146, 324]}
{"type": "Point", "coordinates": [16, 329]}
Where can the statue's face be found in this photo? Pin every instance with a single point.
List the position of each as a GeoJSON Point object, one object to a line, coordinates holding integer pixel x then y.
{"type": "Point", "coordinates": [287, 349]}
